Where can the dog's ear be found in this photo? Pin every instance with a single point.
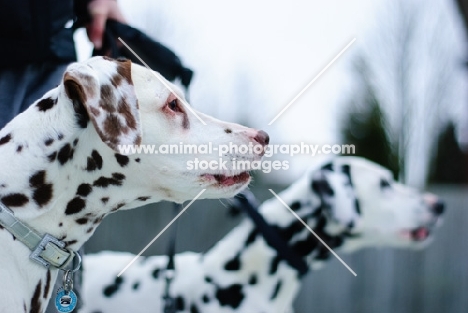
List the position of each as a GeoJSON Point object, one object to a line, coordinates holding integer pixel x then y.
{"type": "Point", "coordinates": [338, 200]}
{"type": "Point", "coordinates": [102, 92]}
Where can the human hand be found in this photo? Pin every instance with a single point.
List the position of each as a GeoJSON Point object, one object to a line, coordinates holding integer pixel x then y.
{"type": "Point", "coordinates": [100, 11]}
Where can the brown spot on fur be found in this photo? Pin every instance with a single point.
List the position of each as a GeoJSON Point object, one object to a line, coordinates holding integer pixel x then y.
{"type": "Point", "coordinates": [5, 139]}
{"type": "Point", "coordinates": [15, 200]}
{"type": "Point", "coordinates": [124, 69]}
{"type": "Point", "coordinates": [35, 306]}
{"type": "Point", "coordinates": [125, 110]}
{"type": "Point", "coordinates": [108, 100]}
{"type": "Point", "coordinates": [75, 205]}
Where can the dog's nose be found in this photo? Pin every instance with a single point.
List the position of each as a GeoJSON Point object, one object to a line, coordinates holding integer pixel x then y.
{"type": "Point", "coordinates": [439, 207]}
{"type": "Point", "coordinates": [262, 138]}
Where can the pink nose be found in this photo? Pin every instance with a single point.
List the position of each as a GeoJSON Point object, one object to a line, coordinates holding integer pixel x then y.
{"type": "Point", "coordinates": [262, 138]}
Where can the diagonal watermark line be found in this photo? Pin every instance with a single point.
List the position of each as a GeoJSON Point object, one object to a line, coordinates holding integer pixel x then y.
{"type": "Point", "coordinates": [163, 82]}
{"type": "Point", "coordinates": [161, 232]}
{"type": "Point", "coordinates": [313, 233]}
{"type": "Point", "coordinates": [312, 81]}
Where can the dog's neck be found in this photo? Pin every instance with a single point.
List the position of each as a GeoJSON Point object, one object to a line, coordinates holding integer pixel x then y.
{"type": "Point", "coordinates": [61, 180]}
{"type": "Point", "coordinates": [248, 259]}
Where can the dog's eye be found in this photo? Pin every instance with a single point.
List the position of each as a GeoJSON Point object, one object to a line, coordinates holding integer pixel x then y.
{"type": "Point", "coordinates": [173, 105]}
{"type": "Point", "coordinates": [384, 184]}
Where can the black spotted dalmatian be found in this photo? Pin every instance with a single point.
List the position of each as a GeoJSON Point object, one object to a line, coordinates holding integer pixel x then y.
{"type": "Point", "coordinates": [350, 203]}
{"type": "Point", "coordinates": [62, 170]}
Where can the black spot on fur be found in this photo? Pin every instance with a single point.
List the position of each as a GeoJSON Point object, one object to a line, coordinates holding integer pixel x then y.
{"type": "Point", "coordinates": [194, 309]}
{"type": "Point", "coordinates": [47, 285]}
{"type": "Point", "coordinates": [205, 299]}
{"type": "Point", "coordinates": [104, 182]}
{"type": "Point", "coordinates": [357, 206]}
{"type": "Point", "coordinates": [179, 303]}
{"type": "Point", "coordinates": [37, 180]}
{"type": "Point", "coordinates": [75, 142]}
{"type": "Point", "coordinates": [94, 161]}
{"type": "Point", "coordinates": [251, 238]}
{"type": "Point", "coordinates": [19, 148]}
{"type": "Point", "coordinates": [234, 264]}
{"type": "Point", "coordinates": [82, 221]}
{"type": "Point", "coordinates": [328, 167]}
{"type": "Point", "coordinates": [52, 156]}
{"type": "Point", "coordinates": [296, 205]}
{"type": "Point", "coordinates": [60, 224]}
{"type": "Point", "coordinates": [90, 229]}
{"type": "Point", "coordinates": [65, 154]}
{"type": "Point", "coordinates": [253, 279]}
{"type": "Point", "coordinates": [137, 160]}
{"type": "Point", "coordinates": [49, 141]}
{"type": "Point", "coordinates": [46, 104]}
{"type": "Point", "coordinates": [135, 286]}
{"type": "Point", "coordinates": [122, 159]}
{"type": "Point", "coordinates": [276, 290]}
{"type": "Point", "coordinates": [60, 136]}
{"type": "Point", "coordinates": [118, 206]}
{"type": "Point", "coordinates": [104, 200]}
{"type": "Point", "coordinates": [84, 190]}
{"type": "Point", "coordinates": [81, 115]}
{"type": "Point", "coordinates": [231, 296]}
{"type": "Point", "coordinates": [274, 265]}
{"type": "Point", "coordinates": [322, 187]}
{"type": "Point", "coordinates": [110, 290]}
{"type": "Point", "coordinates": [228, 130]}
{"type": "Point", "coordinates": [5, 139]}
{"type": "Point", "coordinates": [143, 198]}
{"type": "Point", "coordinates": [70, 242]}
{"type": "Point", "coordinates": [15, 200]}
{"type": "Point", "coordinates": [208, 279]}
{"type": "Point", "coordinates": [155, 273]}
{"type": "Point", "coordinates": [42, 192]}
{"type": "Point", "coordinates": [75, 205]}
{"type": "Point", "coordinates": [35, 306]}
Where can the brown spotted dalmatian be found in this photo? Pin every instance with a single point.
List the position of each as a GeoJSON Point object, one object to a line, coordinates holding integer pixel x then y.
{"type": "Point", "coordinates": [62, 170]}
{"type": "Point", "coordinates": [349, 202]}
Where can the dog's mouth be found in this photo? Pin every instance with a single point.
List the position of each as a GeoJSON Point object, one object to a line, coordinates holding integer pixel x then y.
{"type": "Point", "coordinates": [227, 180]}
{"type": "Point", "coordinates": [417, 234]}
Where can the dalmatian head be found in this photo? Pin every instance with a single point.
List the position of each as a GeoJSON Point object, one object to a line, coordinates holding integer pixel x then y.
{"type": "Point", "coordinates": [136, 113]}
{"type": "Point", "coordinates": [356, 203]}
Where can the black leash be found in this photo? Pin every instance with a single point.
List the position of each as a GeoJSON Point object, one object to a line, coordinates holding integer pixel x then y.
{"type": "Point", "coordinates": [247, 201]}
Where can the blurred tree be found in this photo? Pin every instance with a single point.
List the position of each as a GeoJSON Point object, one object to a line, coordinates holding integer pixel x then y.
{"type": "Point", "coordinates": [450, 163]}
{"type": "Point", "coordinates": [364, 124]}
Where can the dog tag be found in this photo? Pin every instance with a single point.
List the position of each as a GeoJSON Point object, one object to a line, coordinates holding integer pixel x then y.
{"type": "Point", "coordinates": [65, 301]}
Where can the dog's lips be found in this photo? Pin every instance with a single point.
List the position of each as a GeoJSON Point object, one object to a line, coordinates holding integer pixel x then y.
{"type": "Point", "coordinates": [417, 234]}
{"type": "Point", "coordinates": [226, 180]}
